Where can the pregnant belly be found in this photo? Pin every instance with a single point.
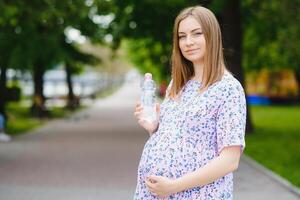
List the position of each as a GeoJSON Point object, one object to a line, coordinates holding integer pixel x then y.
{"type": "Point", "coordinates": [169, 157]}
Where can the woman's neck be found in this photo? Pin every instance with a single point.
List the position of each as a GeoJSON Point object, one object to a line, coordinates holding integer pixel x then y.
{"type": "Point", "coordinates": [198, 69]}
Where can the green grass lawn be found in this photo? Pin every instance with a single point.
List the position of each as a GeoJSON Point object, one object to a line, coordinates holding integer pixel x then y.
{"type": "Point", "coordinates": [20, 120]}
{"type": "Point", "coordinates": [275, 142]}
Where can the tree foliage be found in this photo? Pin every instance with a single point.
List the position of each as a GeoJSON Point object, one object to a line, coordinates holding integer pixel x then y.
{"type": "Point", "coordinates": [33, 35]}
{"type": "Point", "coordinates": [271, 34]}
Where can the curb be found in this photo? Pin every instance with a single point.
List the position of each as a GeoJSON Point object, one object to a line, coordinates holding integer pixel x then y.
{"type": "Point", "coordinates": [285, 183]}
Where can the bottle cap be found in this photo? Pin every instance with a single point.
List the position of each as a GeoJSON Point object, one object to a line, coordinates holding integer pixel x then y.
{"type": "Point", "coordinates": [148, 76]}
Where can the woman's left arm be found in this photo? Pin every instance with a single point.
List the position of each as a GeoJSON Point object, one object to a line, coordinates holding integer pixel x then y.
{"type": "Point", "coordinates": [220, 166]}
{"type": "Point", "coordinates": [225, 163]}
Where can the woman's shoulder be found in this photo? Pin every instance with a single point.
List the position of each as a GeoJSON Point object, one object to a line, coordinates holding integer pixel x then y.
{"type": "Point", "coordinates": [229, 84]}
{"type": "Point", "coordinates": [229, 80]}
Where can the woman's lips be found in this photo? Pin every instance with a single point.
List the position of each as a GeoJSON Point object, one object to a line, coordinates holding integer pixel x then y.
{"type": "Point", "coordinates": [191, 50]}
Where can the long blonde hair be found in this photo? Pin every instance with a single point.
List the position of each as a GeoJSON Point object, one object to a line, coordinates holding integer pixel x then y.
{"type": "Point", "coordinates": [214, 65]}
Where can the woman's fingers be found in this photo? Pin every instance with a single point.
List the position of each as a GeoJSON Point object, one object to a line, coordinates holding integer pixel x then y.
{"type": "Point", "coordinates": [138, 110]}
{"type": "Point", "coordinates": [142, 122]}
{"type": "Point", "coordinates": [151, 187]}
{"type": "Point", "coordinates": [138, 105]}
{"type": "Point", "coordinates": [137, 115]}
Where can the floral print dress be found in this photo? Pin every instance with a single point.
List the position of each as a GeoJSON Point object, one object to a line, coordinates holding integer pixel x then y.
{"type": "Point", "coordinates": [192, 131]}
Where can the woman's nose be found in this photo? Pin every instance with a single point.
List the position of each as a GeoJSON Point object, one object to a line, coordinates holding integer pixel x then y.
{"type": "Point", "coordinates": [189, 40]}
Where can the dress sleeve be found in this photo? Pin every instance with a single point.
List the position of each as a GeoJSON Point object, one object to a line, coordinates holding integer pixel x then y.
{"type": "Point", "coordinates": [231, 118]}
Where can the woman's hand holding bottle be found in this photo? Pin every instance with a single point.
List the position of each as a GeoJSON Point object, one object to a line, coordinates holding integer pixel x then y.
{"type": "Point", "coordinates": [150, 126]}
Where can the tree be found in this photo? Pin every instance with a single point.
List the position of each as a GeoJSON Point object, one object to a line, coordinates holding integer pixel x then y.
{"type": "Point", "coordinates": [74, 61]}
{"type": "Point", "coordinates": [36, 29]}
{"type": "Point", "coordinates": [271, 38]}
{"type": "Point", "coordinates": [9, 35]}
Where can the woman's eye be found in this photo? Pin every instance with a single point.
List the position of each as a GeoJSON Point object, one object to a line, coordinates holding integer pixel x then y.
{"type": "Point", "coordinates": [181, 36]}
{"type": "Point", "coordinates": [198, 33]}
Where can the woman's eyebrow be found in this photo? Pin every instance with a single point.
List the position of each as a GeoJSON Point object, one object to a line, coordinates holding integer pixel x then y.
{"type": "Point", "coordinates": [196, 29]}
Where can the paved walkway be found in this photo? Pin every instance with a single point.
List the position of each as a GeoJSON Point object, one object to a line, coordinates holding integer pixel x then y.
{"type": "Point", "coordinates": [94, 156]}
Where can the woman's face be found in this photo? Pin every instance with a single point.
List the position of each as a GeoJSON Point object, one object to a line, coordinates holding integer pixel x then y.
{"type": "Point", "coordinates": [191, 40]}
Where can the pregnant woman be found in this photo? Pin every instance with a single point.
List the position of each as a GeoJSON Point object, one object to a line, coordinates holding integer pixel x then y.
{"type": "Point", "coordinates": [198, 139]}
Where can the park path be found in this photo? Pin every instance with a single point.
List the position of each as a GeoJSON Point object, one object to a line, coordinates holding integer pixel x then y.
{"type": "Point", "coordinates": [94, 155]}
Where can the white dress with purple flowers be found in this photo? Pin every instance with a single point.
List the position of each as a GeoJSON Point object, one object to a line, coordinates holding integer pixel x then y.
{"type": "Point", "coordinates": [192, 131]}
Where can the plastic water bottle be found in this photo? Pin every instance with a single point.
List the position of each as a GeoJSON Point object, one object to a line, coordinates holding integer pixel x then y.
{"type": "Point", "coordinates": [148, 99]}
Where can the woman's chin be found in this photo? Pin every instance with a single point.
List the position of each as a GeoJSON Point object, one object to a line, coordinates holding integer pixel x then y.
{"type": "Point", "coordinates": [194, 59]}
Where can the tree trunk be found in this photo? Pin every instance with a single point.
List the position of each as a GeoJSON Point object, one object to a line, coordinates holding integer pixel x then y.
{"type": "Point", "coordinates": [3, 91]}
{"type": "Point", "coordinates": [38, 106]}
{"type": "Point", "coordinates": [297, 74]}
{"type": "Point", "coordinates": [72, 100]}
{"type": "Point", "coordinates": [231, 26]}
